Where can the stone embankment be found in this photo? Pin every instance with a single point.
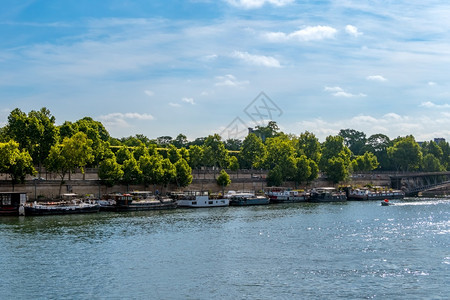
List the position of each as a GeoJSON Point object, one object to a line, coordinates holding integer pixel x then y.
{"type": "Point", "coordinates": [48, 185]}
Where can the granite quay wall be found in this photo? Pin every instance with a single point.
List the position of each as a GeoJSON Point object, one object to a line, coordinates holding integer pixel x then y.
{"type": "Point", "coordinates": [47, 185]}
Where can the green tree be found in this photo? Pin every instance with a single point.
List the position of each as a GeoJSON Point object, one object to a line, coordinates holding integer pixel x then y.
{"type": "Point", "coordinates": [183, 173]}
{"type": "Point", "coordinates": [307, 144]}
{"type": "Point", "coordinates": [169, 172]}
{"type": "Point", "coordinates": [173, 154]}
{"type": "Point", "coordinates": [234, 164]}
{"type": "Point", "coordinates": [233, 144]}
{"type": "Point", "coordinates": [354, 140]}
{"type": "Point", "coordinates": [132, 174]}
{"type": "Point", "coordinates": [275, 177]}
{"type": "Point", "coordinates": [253, 152]}
{"type": "Point", "coordinates": [223, 180]}
{"type": "Point", "coordinates": [314, 170]}
{"type": "Point", "coordinates": [281, 152]}
{"type": "Point", "coordinates": [15, 162]}
{"type": "Point", "coordinates": [268, 131]}
{"type": "Point", "coordinates": [378, 145]}
{"type": "Point", "coordinates": [445, 147]}
{"type": "Point", "coordinates": [75, 152]}
{"type": "Point", "coordinates": [151, 167]}
{"type": "Point", "coordinates": [432, 148]}
{"type": "Point", "coordinates": [432, 164]}
{"type": "Point", "coordinates": [337, 169]}
{"type": "Point", "coordinates": [180, 141]}
{"type": "Point", "coordinates": [366, 162]}
{"type": "Point", "coordinates": [406, 154]}
{"type": "Point", "coordinates": [195, 156]}
{"type": "Point", "coordinates": [303, 169]}
{"type": "Point", "coordinates": [214, 152]}
{"type": "Point", "coordinates": [110, 172]}
{"type": "Point", "coordinates": [123, 154]}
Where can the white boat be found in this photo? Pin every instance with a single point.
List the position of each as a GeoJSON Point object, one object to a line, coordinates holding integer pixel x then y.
{"type": "Point", "coordinates": [376, 194]}
{"type": "Point", "coordinates": [199, 199]}
{"type": "Point", "coordinates": [285, 195]}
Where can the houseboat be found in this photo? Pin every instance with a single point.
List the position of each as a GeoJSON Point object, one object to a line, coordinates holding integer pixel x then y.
{"type": "Point", "coordinates": [374, 194]}
{"type": "Point", "coordinates": [285, 195]}
{"type": "Point", "coordinates": [68, 204]}
{"type": "Point", "coordinates": [12, 203]}
{"type": "Point", "coordinates": [327, 194]}
{"type": "Point", "coordinates": [135, 201]}
{"type": "Point", "coordinates": [246, 199]}
{"type": "Point", "coordinates": [199, 200]}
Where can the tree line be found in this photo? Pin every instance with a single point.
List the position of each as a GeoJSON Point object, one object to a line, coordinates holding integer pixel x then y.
{"type": "Point", "coordinates": [30, 141]}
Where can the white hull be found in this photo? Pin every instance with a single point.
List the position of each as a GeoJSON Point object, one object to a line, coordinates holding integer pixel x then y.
{"type": "Point", "coordinates": [203, 201]}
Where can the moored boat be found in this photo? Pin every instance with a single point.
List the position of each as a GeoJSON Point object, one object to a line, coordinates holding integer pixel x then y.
{"type": "Point", "coordinates": [327, 194]}
{"type": "Point", "coordinates": [285, 195]}
{"type": "Point", "coordinates": [196, 199]}
{"type": "Point", "coordinates": [12, 203]}
{"type": "Point", "coordinates": [246, 199]}
{"type": "Point", "coordinates": [374, 194]}
{"type": "Point", "coordinates": [69, 204]}
{"type": "Point", "coordinates": [136, 201]}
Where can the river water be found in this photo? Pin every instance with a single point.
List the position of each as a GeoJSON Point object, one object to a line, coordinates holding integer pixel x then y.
{"type": "Point", "coordinates": [354, 250]}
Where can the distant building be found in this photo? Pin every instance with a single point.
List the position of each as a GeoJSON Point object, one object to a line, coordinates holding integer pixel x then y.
{"type": "Point", "coordinates": [438, 140]}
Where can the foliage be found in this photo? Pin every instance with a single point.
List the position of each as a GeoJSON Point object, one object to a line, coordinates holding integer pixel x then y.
{"type": "Point", "coordinates": [253, 152]}
{"type": "Point", "coordinates": [406, 154]}
{"type": "Point", "coordinates": [15, 162]}
{"type": "Point", "coordinates": [303, 169]}
{"type": "Point", "coordinates": [366, 162]}
{"type": "Point", "coordinates": [307, 144]}
{"type": "Point", "coordinates": [151, 169]}
{"type": "Point", "coordinates": [223, 179]}
{"type": "Point", "coordinates": [336, 169]}
{"type": "Point", "coordinates": [233, 163]}
{"type": "Point", "coordinates": [131, 171]}
{"type": "Point", "coordinates": [431, 164]}
{"type": "Point", "coordinates": [281, 153]}
{"type": "Point", "coordinates": [195, 156]}
{"type": "Point", "coordinates": [169, 172]}
{"type": "Point", "coordinates": [275, 176]}
{"type": "Point", "coordinates": [173, 154]}
{"type": "Point", "coordinates": [354, 140]}
{"type": "Point", "coordinates": [183, 173]}
{"type": "Point", "coordinates": [180, 141]}
{"type": "Point", "coordinates": [109, 171]}
{"type": "Point", "coordinates": [335, 160]}
{"type": "Point", "coordinates": [215, 153]}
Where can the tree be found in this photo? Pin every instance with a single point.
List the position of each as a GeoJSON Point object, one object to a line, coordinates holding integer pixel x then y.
{"type": "Point", "coordinates": [164, 141]}
{"type": "Point", "coordinates": [132, 174]}
{"type": "Point", "coordinates": [335, 160]}
{"type": "Point", "coordinates": [151, 167]}
{"type": "Point", "coordinates": [314, 170]}
{"type": "Point", "coordinates": [303, 169]}
{"type": "Point", "coordinates": [195, 156]}
{"type": "Point", "coordinates": [253, 152]}
{"type": "Point", "coordinates": [432, 148]}
{"type": "Point", "coordinates": [445, 162]}
{"type": "Point", "coordinates": [275, 177]}
{"type": "Point", "coordinates": [169, 172]}
{"type": "Point", "coordinates": [223, 180]}
{"type": "Point", "coordinates": [173, 153]}
{"type": "Point", "coordinates": [123, 154]}
{"type": "Point", "coordinates": [109, 171]}
{"type": "Point", "coordinates": [180, 141]}
{"type": "Point", "coordinates": [307, 144]}
{"type": "Point", "coordinates": [354, 140]}
{"type": "Point", "coordinates": [73, 153]}
{"type": "Point", "coordinates": [281, 153]}
{"type": "Point", "coordinates": [406, 154]}
{"type": "Point", "coordinates": [336, 169]}
{"type": "Point", "coordinates": [234, 164]}
{"type": "Point", "coordinates": [366, 162]}
{"type": "Point", "coordinates": [233, 144]}
{"type": "Point", "coordinates": [431, 164]}
{"type": "Point", "coordinates": [378, 144]}
{"type": "Point", "coordinates": [183, 173]}
{"type": "Point", "coordinates": [15, 162]}
{"type": "Point", "coordinates": [215, 153]}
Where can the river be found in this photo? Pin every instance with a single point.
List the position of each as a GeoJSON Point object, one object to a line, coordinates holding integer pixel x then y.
{"type": "Point", "coordinates": [353, 250]}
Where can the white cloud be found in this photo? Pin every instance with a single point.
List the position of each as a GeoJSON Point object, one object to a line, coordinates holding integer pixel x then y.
{"type": "Point", "coordinates": [188, 100]}
{"type": "Point", "coordinates": [257, 60]}
{"type": "Point", "coordinates": [174, 104]}
{"type": "Point", "coordinates": [248, 4]}
{"type": "Point", "coordinates": [429, 104]}
{"type": "Point", "coordinates": [310, 33]}
{"type": "Point", "coordinates": [149, 93]}
{"type": "Point", "coordinates": [352, 30]}
{"type": "Point", "coordinates": [337, 91]}
{"type": "Point", "coordinates": [229, 80]}
{"type": "Point", "coordinates": [376, 78]}
{"type": "Point", "coordinates": [120, 119]}
{"type": "Point", "coordinates": [432, 83]}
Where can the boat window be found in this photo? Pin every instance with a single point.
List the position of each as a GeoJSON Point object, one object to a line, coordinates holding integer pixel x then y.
{"type": "Point", "coordinates": [210, 202]}
{"type": "Point", "coordinates": [194, 202]}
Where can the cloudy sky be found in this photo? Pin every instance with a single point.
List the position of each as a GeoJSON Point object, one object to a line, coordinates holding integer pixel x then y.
{"type": "Point", "coordinates": [199, 66]}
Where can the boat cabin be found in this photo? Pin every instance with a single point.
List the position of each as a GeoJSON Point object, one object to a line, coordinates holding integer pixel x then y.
{"type": "Point", "coordinates": [11, 202]}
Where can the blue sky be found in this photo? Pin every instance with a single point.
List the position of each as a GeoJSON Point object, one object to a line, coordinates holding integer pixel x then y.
{"type": "Point", "coordinates": [197, 66]}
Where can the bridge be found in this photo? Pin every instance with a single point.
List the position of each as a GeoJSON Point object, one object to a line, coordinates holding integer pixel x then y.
{"type": "Point", "coordinates": [414, 182]}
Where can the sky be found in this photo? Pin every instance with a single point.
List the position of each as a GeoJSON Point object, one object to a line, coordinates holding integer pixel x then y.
{"type": "Point", "coordinates": [200, 67]}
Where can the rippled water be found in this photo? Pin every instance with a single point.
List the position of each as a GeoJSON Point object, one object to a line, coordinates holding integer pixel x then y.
{"type": "Point", "coordinates": [356, 250]}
